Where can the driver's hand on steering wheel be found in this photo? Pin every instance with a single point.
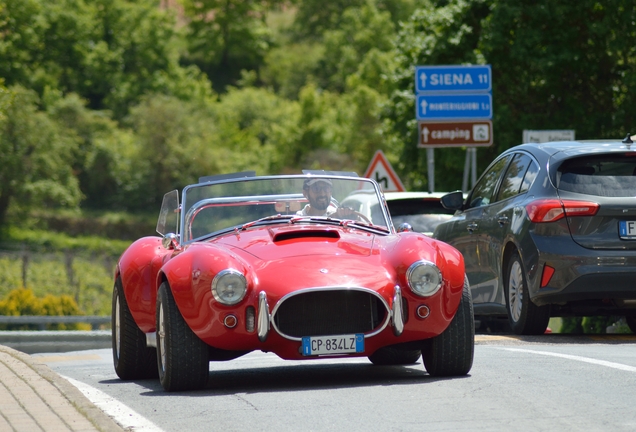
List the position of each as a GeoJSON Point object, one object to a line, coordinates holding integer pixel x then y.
{"type": "Point", "coordinates": [345, 213]}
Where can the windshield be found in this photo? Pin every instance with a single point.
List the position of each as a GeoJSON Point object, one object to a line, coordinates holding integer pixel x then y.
{"type": "Point", "coordinates": [212, 207]}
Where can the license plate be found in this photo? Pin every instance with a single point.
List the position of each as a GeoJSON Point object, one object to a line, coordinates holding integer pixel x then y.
{"type": "Point", "coordinates": [627, 229]}
{"type": "Point", "coordinates": [341, 344]}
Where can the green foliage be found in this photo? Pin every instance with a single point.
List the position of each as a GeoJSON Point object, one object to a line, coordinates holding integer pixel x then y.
{"type": "Point", "coordinates": [23, 301]}
{"type": "Point", "coordinates": [226, 37]}
{"type": "Point", "coordinates": [592, 325]}
{"type": "Point", "coordinates": [289, 68]}
{"type": "Point", "coordinates": [36, 155]}
{"type": "Point", "coordinates": [20, 43]}
{"type": "Point", "coordinates": [361, 30]}
{"type": "Point", "coordinates": [47, 241]}
{"type": "Point", "coordinates": [109, 51]}
{"type": "Point", "coordinates": [314, 17]}
{"type": "Point", "coordinates": [561, 65]}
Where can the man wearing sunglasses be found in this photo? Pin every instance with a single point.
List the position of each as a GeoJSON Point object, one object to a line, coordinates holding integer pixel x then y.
{"type": "Point", "coordinates": [318, 193]}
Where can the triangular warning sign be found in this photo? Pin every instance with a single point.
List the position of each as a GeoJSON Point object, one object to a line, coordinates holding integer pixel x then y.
{"type": "Point", "coordinates": [381, 171]}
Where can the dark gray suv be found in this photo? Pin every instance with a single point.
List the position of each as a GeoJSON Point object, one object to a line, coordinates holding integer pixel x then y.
{"type": "Point", "coordinates": [550, 230]}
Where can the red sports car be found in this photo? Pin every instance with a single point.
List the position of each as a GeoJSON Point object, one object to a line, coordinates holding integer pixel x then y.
{"type": "Point", "coordinates": [274, 263]}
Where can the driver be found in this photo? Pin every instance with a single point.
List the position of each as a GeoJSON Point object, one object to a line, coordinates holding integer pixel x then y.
{"type": "Point", "coordinates": [318, 193]}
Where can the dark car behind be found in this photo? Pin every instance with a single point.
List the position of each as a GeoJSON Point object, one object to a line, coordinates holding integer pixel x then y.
{"type": "Point", "coordinates": [550, 230]}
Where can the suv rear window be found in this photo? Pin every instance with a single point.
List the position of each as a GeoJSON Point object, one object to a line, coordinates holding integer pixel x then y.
{"type": "Point", "coordinates": [601, 175]}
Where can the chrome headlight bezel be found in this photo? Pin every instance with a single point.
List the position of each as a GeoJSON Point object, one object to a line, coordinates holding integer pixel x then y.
{"type": "Point", "coordinates": [222, 279]}
{"type": "Point", "coordinates": [420, 269]}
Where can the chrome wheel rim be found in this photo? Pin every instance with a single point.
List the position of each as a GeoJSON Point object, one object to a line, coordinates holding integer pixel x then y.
{"type": "Point", "coordinates": [117, 327]}
{"type": "Point", "coordinates": [162, 339]}
{"type": "Point", "coordinates": [515, 291]}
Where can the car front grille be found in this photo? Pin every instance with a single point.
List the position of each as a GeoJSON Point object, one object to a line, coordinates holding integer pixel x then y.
{"type": "Point", "coordinates": [326, 312]}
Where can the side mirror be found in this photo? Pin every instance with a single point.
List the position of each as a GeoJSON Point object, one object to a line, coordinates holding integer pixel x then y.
{"type": "Point", "coordinates": [404, 227]}
{"type": "Point", "coordinates": [170, 241]}
{"type": "Point", "coordinates": [453, 200]}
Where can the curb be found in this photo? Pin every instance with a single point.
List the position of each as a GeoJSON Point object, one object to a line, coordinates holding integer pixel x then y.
{"type": "Point", "coordinates": [49, 388]}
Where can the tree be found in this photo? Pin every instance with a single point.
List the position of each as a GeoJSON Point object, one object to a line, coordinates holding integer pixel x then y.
{"type": "Point", "coordinates": [20, 41]}
{"type": "Point", "coordinates": [109, 52]}
{"type": "Point", "coordinates": [36, 157]}
{"type": "Point", "coordinates": [362, 30]}
{"type": "Point", "coordinates": [560, 65]}
{"type": "Point", "coordinates": [227, 36]}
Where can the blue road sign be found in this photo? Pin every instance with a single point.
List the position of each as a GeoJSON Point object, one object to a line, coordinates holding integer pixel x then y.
{"type": "Point", "coordinates": [453, 106]}
{"type": "Point", "coordinates": [453, 78]}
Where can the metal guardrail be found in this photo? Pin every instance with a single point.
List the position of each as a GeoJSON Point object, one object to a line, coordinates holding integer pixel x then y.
{"type": "Point", "coordinates": [42, 321]}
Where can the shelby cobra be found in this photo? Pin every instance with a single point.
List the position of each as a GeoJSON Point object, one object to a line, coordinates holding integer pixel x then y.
{"type": "Point", "coordinates": [244, 263]}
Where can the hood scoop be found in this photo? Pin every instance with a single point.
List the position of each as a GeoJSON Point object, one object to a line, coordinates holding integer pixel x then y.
{"type": "Point", "coordinates": [305, 234]}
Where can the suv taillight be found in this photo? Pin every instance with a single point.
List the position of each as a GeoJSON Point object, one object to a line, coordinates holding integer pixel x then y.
{"type": "Point", "coordinates": [550, 210]}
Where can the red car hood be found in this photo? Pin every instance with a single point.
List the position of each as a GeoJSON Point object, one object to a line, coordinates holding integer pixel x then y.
{"type": "Point", "coordinates": [294, 257]}
{"type": "Point", "coordinates": [277, 243]}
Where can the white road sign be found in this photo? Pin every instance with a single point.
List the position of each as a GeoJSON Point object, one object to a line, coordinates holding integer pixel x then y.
{"type": "Point", "coordinates": [541, 136]}
{"type": "Point", "coordinates": [382, 172]}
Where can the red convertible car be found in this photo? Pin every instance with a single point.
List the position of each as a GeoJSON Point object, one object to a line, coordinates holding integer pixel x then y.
{"type": "Point", "coordinates": [275, 264]}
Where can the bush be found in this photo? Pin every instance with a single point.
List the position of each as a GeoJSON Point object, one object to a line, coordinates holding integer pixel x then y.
{"type": "Point", "coordinates": [592, 325]}
{"type": "Point", "coordinates": [23, 301]}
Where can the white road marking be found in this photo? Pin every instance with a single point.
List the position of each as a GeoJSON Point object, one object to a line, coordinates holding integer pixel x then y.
{"type": "Point", "coordinates": [577, 358]}
{"type": "Point", "coordinates": [123, 415]}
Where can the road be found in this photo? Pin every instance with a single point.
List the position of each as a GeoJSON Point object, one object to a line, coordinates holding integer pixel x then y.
{"type": "Point", "coordinates": [543, 383]}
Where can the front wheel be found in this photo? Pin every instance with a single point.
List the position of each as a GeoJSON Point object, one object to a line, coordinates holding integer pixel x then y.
{"type": "Point", "coordinates": [525, 317]}
{"type": "Point", "coordinates": [182, 357]}
{"type": "Point", "coordinates": [132, 359]}
{"type": "Point", "coordinates": [451, 353]}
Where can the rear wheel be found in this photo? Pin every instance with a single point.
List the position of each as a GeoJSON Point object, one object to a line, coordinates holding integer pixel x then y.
{"type": "Point", "coordinates": [182, 357]}
{"type": "Point", "coordinates": [390, 356]}
{"type": "Point", "coordinates": [525, 317]}
{"type": "Point", "coordinates": [451, 353]}
{"type": "Point", "coordinates": [132, 359]}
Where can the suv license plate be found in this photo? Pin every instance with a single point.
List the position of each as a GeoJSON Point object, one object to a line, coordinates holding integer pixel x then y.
{"type": "Point", "coordinates": [341, 344]}
{"type": "Point", "coordinates": [627, 229]}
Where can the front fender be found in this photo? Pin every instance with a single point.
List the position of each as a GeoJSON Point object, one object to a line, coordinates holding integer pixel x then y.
{"type": "Point", "coordinates": [190, 276]}
{"type": "Point", "coordinates": [413, 247]}
{"type": "Point", "coordinates": [138, 267]}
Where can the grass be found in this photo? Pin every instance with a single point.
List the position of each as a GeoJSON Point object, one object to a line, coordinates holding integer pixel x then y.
{"type": "Point", "coordinates": [57, 264]}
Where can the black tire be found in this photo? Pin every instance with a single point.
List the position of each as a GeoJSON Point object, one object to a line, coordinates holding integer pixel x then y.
{"type": "Point", "coordinates": [132, 358]}
{"type": "Point", "coordinates": [631, 322]}
{"type": "Point", "coordinates": [389, 356]}
{"type": "Point", "coordinates": [451, 353]}
{"type": "Point", "coordinates": [525, 317]}
{"type": "Point", "coordinates": [182, 357]}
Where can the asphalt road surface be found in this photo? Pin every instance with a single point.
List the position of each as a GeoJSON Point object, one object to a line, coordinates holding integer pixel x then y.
{"type": "Point", "coordinates": [542, 383]}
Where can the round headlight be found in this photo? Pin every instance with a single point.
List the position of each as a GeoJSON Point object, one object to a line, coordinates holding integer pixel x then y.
{"type": "Point", "coordinates": [229, 286]}
{"type": "Point", "coordinates": [424, 278]}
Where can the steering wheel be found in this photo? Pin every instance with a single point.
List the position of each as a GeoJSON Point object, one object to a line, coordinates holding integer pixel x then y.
{"type": "Point", "coordinates": [358, 214]}
{"type": "Point", "coordinates": [363, 217]}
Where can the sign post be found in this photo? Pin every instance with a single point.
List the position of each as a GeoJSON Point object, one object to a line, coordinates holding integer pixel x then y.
{"type": "Point", "coordinates": [454, 109]}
